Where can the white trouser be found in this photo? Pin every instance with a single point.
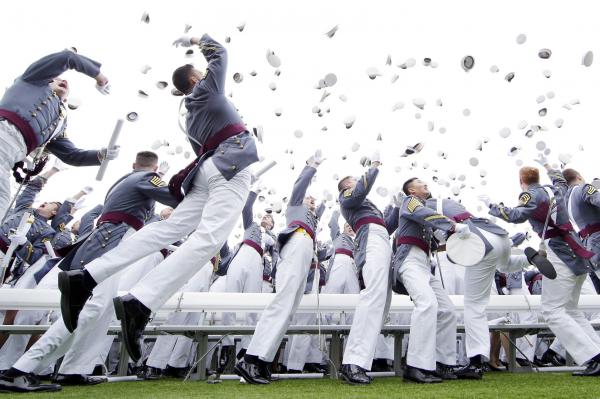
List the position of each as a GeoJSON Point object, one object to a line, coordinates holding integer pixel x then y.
{"type": "Point", "coordinates": [342, 280]}
{"type": "Point", "coordinates": [244, 275]}
{"type": "Point", "coordinates": [12, 150]}
{"type": "Point", "coordinates": [559, 308]}
{"type": "Point", "coordinates": [385, 347]}
{"type": "Point", "coordinates": [89, 346]}
{"type": "Point", "coordinates": [15, 345]}
{"type": "Point", "coordinates": [301, 345]}
{"type": "Point", "coordinates": [212, 208]}
{"type": "Point", "coordinates": [433, 311]}
{"type": "Point", "coordinates": [527, 343]}
{"type": "Point", "coordinates": [165, 344]}
{"type": "Point", "coordinates": [290, 281]}
{"type": "Point", "coordinates": [478, 282]}
{"type": "Point", "coordinates": [27, 280]}
{"type": "Point", "coordinates": [370, 311]}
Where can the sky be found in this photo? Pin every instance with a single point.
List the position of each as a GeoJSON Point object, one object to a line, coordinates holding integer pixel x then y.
{"type": "Point", "coordinates": [475, 105]}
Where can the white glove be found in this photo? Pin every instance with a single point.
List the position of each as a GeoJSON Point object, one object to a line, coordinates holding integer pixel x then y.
{"type": "Point", "coordinates": [542, 160]}
{"type": "Point", "coordinates": [440, 236]}
{"type": "Point", "coordinates": [485, 199]}
{"type": "Point", "coordinates": [376, 157]}
{"type": "Point", "coordinates": [104, 89]}
{"type": "Point", "coordinates": [110, 153]}
{"type": "Point", "coordinates": [183, 41]}
{"type": "Point", "coordinates": [462, 231]}
{"type": "Point", "coordinates": [163, 168]}
{"type": "Point", "coordinates": [397, 200]}
{"type": "Point", "coordinates": [79, 203]}
{"type": "Point", "coordinates": [87, 189]}
{"type": "Point", "coordinates": [18, 239]}
{"type": "Point", "coordinates": [316, 159]}
{"type": "Point", "coordinates": [255, 185]}
{"type": "Point", "coordinates": [59, 165]}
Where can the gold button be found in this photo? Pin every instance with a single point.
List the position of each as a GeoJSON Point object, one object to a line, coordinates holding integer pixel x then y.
{"type": "Point", "coordinates": [242, 147]}
{"type": "Point", "coordinates": [44, 102]}
{"type": "Point", "coordinates": [38, 108]}
{"type": "Point", "coordinates": [233, 167]}
{"type": "Point", "coordinates": [33, 114]}
{"type": "Point", "coordinates": [222, 152]}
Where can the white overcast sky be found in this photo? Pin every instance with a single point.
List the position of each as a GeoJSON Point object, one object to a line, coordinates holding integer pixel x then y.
{"type": "Point", "coordinates": [445, 31]}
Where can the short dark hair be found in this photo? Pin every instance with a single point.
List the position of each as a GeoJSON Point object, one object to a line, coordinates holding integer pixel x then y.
{"type": "Point", "coordinates": [571, 175]}
{"type": "Point", "coordinates": [181, 78]}
{"type": "Point", "coordinates": [341, 182]}
{"type": "Point", "coordinates": [146, 159]}
{"type": "Point", "coordinates": [407, 184]}
{"type": "Point", "coordinates": [529, 175]}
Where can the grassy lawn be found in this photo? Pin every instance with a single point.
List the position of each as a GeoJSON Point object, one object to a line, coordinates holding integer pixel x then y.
{"type": "Point", "coordinates": [494, 385]}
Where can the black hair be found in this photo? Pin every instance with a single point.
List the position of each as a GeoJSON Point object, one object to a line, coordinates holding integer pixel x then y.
{"type": "Point", "coordinates": [181, 78]}
{"type": "Point", "coordinates": [146, 159]}
{"type": "Point", "coordinates": [407, 184]}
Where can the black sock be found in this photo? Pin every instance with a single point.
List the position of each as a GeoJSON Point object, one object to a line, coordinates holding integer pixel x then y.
{"type": "Point", "coordinates": [251, 359]}
{"type": "Point", "coordinates": [241, 354]}
{"type": "Point", "coordinates": [476, 361]}
{"type": "Point", "coordinates": [13, 372]}
{"type": "Point", "coordinates": [88, 280]}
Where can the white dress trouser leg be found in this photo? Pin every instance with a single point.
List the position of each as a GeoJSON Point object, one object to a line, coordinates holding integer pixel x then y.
{"type": "Point", "coordinates": [342, 280]}
{"type": "Point", "coordinates": [369, 314]}
{"type": "Point", "coordinates": [559, 308]}
{"type": "Point", "coordinates": [292, 270]}
{"type": "Point", "coordinates": [12, 150]}
{"type": "Point", "coordinates": [211, 207]}
{"type": "Point", "coordinates": [300, 344]}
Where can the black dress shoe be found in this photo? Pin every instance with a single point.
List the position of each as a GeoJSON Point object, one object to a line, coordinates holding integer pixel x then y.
{"type": "Point", "coordinates": [264, 370]}
{"type": "Point", "coordinates": [469, 372]}
{"type": "Point", "coordinates": [592, 370]}
{"type": "Point", "coordinates": [413, 374]}
{"type": "Point", "coordinates": [553, 358]}
{"type": "Point", "coordinates": [444, 371]}
{"type": "Point", "coordinates": [380, 365]}
{"type": "Point", "coordinates": [249, 372]}
{"type": "Point", "coordinates": [77, 379]}
{"type": "Point", "coordinates": [176, 372]}
{"type": "Point", "coordinates": [226, 359]}
{"type": "Point", "coordinates": [354, 375]}
{"type": "Point", "coordinates": [74, 294]}
{"type": "Point", "coordinates": [292, 371]}
{"type": "Point", "coordinates": [314, 368]}
{"type": "Point", "coordinates": [133, 316]}
{"type": "Point", "coordinates": [541, 262]}
{"type": "Point", "coordinates": [152, 373]}
{"type": "Point", "coordinates": [25, 383]}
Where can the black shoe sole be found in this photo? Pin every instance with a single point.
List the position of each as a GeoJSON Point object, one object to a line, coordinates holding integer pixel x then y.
{"type": "Point", "coordinates": [64, 286]}
{"type": "Point", "coordinates": [242, 373]}
{"type": "Point", "coordinates": [120, 312]}
{"type": "Point", "coordinates": [348, 381]}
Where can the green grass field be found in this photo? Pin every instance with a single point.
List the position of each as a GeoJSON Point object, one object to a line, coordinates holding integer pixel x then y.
{"type": "Point", "coordinates": [494, 385]}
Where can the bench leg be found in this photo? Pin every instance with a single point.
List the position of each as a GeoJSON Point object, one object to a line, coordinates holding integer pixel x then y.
{"type": "Point", "coordinates": [123, 358]}
{"type": "Point", "coordinates": [336, 354]}
{"type": "Point", "coordinates": [398, 338]}
{"type": "Point", "coordinates": [512, 352]}
{"type": "Point", "coordinates": [201, 349]}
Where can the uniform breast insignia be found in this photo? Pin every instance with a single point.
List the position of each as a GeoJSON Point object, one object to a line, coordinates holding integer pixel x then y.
{"type": "Point", "coordinates": [413, 204]}
{"type": "Point", "coordinates": [591, 190]}
{"type": "Point", "coordinates": [524, 198]}
{"type": "Point", "coordinates": [348, 192]}
{"type": "Point", "coordinates": [157, 181]}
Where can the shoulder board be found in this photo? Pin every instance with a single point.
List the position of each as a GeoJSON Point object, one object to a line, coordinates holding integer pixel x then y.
{"type": "Point", "coordinates": [413, 204]}
{"type": "Point", "coordinates": [524, 198]}
{"type": "Point", "coordinates": [589, 190]}
{"type": "Point", "coordinates": [157, 181]}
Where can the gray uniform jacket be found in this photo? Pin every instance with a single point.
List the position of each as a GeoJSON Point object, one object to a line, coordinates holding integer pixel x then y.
{"type": "Point", "coordinates": [129, 203]}
{"type": "Point", "coordinates": [457, 212]}
{"type": "Point", "coordinates": [212, 118]}
{"type": "Point", "coordinates": [32, 106]}
{"type": "Point", "coordinates": [342, 243]}
{"type": "Point", "coordinates": [533, 207]}
{"type": "Point", "coordinates": [39, 231]}
{"type": "Point", "coordinates": [583, 204]}
{"type": "Point", "coordinates": [360, 213]}
{"type": "Point", "coordinates": [297, 214]}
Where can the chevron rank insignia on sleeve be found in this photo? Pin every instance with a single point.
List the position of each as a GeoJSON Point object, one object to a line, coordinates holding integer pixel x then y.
{"type": "Point", "coordinates": [591, 190]}
{"type": "Point", "coordinates": [413, 204]}
{"type": "Point", "coordinates": [157, 181]}
{"type": "Point", "coordinates": [524, 198]}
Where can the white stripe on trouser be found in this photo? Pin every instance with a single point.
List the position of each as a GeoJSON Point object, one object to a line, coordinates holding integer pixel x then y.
{"type": "Point", "coordinates": [244, 275]}
{"type": "Point", "coordinates": [369, 313]}
{"type": "Point", "coordinates": [478, 282]}
{"type": "Point", "coordinates": [290, 281]}
{"type": "Point", "coordinates": [559, 308]}
{"type": "Point", "coordinates": [433, 311]}
{"type": "Point", "coordinates": [89, 346]}
{"type": "Point", "coordinates": [15, 345]}
{"type": "Point", "coordinates": [94, 320]}
{"type": "Point", "coordinates": [212, 208]}
{"type": "Point", "coordinates": [12, 150]}
{"type": "Point", "coordinates": [164, 347]}
{"type": "Point", "coordinates": [342, 280]}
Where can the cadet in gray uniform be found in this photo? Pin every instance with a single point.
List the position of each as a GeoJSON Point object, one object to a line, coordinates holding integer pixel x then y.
{"type": "Point", "coordinates": [430, 355]}
{"type": "Point", "coordinates": [478, 280]}
{"type": "Point", "coordinates": [33, 116]}
{"type": "Point", "coordinates": [341, 275]}
{"type": "Point", "coordinates": [129, 202]}
{"type": "Point", "coordinates": [372, 253]}
{"type": "Point", "coordinates": [215, 185]}
{"type": "Point", "coordinates": [297, 243]}
{"type": "Point", "coordinates": [569, 257]}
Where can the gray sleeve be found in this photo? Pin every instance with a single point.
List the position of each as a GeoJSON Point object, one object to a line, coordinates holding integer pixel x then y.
{"type": "Point", "coordinates": [301, 185]}
{"type": "Point", "coordinates": [86, 225]}
{"type": "Point", "coordinates": [413, 210]}
{"type": "Point", "coordinates": [51, 66]}
{"type": "Point", "coordinates": [353, 198]}
{"type": "Point", "coordinates": [334, 227]}
{"type": "Point", "coordinates": [247, 214]}
{"type": "Point", "coordinates": [216, 56]}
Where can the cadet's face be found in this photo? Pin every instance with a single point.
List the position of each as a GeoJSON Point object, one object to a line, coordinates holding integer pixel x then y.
{"type": "Point", "coordinates": [196, 76]}
{"type": "Point", "coordinates": [166, 213]}
{"type": "Point", "coordinates": [61, 88]}
{"type": "Point", "coordinates": [47, 209]}
{"type": "Point", "coordinates": [350, 183]}
{"type": "Point", "coordinates": [419, 189]}
{"type": "Point", "coordinates": [75, 227]}
{"type": "Point", "coordinates": [267, 222]}
{"type": "Point", "coordinates": [348, 230]}
{"type": "Point", "coordinates": [309, 202]}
